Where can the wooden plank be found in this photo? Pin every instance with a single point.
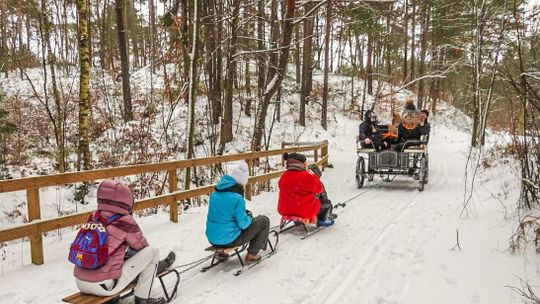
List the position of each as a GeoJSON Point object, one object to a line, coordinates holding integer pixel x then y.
{"type": "Point", "coordinates": [34, 213]}
{"type": "Point", "coordinates": [83, 298]}
{"type": "Point", "coordinates": [248, 185]}
{"type": "Point", "coordinates": [302, 143]}
{"type": "Point", "coordinates": [90, 175]}
{"type": "Point", "coordinates": [35, 229]}
{"type": "Point", "coordinates": [41, 226]}
{"type": "Point", "coordinates": [173, 206]}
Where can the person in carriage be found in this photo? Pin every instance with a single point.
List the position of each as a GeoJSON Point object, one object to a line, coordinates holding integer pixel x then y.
{"type": "Point", "coordinates": [298, 191]}
{"type": "Point", "coordinates": [369, 133]}
{"type": "Point", "coordinates": [425, 127]}
{"type": "Point", "coordinates": [409, 128]}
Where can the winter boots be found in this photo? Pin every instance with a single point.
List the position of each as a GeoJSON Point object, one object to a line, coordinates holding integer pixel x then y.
{"type": "Point", "coordinates": [253, 258]}
{"type": "Point", "coordinates": [166, 263]}
{"type": "Point", "coordinates": [325, 223]}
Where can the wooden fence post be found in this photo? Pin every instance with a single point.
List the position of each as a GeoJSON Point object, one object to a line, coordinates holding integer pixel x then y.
{"type": "Point", "coordinates": [248, 185]}
{"type": "Point", "coordinates": [173, 186]}
{"type": "Point", "coordinates": [282, 160]}
{"type": "Point", "coordinates": [324, 153]}
{"type": "Point", "coordinates": [34, 213]}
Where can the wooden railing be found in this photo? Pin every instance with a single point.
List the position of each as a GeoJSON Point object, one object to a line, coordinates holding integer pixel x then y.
{"type": "Point", "coordinates": [31, 185]}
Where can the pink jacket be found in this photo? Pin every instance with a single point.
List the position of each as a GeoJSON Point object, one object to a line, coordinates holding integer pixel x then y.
{"type": "Point", "coordinates": [115, 198]}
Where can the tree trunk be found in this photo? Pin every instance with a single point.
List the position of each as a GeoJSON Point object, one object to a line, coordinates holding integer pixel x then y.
{"type": "Point", "coordinates": [124, 58]}
{"type": "Point", "coordinates": [369, 64]}
{"type": "Point", "coordinates": [406, 44]}
{"type": "Point", "coordinates": [307, 63]}
{"type": "Point", "coordinates": [261, 57]}
{"type": "Point", "coordinates": [212, 68]}
{"type": "Point", "coordinates": [152, 37]}
{"type": "Point", "coordinates": [297, 62]}
{"type": "Point", "coordinates": [58, 121]}
{"type": "Point", "coordinates": [84, 158]}
{"type": "Point", "coordinates": [324, 110]}
{"type": "Point", "coordinates": [226, 122]}
{"type": "Point", "coordinates": [413, 34]}
{"type": "Point", "coordinates": [278, 72]}
{"type": "Point", "coordinates": [192, 87]}
{"type": "Point", "coordinates": [423, 45]}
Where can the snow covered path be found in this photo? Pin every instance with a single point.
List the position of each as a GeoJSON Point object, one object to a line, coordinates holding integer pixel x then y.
{"type": "Point", "coordinates": [391, 244]}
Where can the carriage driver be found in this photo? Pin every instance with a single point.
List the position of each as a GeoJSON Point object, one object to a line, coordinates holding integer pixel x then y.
{"type": "Point", "coordinates": [370, 136]}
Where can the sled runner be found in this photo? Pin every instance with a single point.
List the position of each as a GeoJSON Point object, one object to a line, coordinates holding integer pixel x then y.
{"type": "Point", "coordinates": [82, 298]}
{"type": "Point", "coordinates": [289, 222]}
{"type": "Point", "coordinates": [222, 254]}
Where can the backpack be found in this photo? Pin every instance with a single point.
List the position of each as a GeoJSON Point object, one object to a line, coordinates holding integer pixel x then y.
{"type": "Point", "coordinates": [90, 249]}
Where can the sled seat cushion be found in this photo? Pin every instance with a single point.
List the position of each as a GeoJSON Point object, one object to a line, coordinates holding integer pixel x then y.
{"type": "Point", "coordinates": [83, 298]}
{"type": "Point", "coordinates": [226, 250]}
{"type": "Point", "coordinates": [296, 219]}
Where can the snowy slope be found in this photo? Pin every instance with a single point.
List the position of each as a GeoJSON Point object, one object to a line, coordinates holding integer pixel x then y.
{"type": "Point", "coordinates": [391, 244]}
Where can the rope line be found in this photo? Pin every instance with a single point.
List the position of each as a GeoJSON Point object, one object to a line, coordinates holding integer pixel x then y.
{"type": "Point", "coordinates": [198, 262]}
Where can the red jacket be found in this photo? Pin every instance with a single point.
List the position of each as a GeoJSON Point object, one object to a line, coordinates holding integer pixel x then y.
{"type": "Point", "coordinates": [297, 190]}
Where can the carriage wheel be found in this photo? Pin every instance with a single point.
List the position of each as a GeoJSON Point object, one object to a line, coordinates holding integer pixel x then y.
{"type": "Point", "coordinates": [360, 172]}
{"type": "Point", "coordinates": [422, 174]}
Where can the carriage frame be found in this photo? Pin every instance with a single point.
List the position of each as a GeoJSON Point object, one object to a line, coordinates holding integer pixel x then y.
{"type": "Point", "coordinates": [412, 161]}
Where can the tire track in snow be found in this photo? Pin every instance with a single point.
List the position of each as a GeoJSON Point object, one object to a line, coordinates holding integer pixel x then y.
{"type": "Point", "coordinates": [342, 276]}
{"type": "Point", "coordinates": [369, 260]}
{"type": "Point", "coordinates": [372, 257]}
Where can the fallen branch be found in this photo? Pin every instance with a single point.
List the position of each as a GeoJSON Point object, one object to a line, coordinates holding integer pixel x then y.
{"type": "Point", "coordinates": [457, 242]}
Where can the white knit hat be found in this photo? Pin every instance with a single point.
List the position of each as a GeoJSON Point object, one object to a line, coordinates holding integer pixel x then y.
{"type": "Point", "coordinates": [240, 173]}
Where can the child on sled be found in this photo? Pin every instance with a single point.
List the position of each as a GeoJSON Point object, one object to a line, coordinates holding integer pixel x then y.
{"type": "Point", "coordinates": [228, 223]}
{"type": "Point", "coordinates": [299, 190]}
{"type": "Point", "coordinates": [115, 206]}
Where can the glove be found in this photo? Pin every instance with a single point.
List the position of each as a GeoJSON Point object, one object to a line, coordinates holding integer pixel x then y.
{"type": "Point", "coordinates": [129, 253]}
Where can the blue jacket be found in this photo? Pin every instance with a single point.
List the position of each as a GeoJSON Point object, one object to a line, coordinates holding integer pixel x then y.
{"type": "Point", "coordinates": [227, 215]}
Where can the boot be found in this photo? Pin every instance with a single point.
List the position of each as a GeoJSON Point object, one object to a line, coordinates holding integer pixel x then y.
{"type": "Point", "coordinates": [166, 262]}
{"type": "Point", "coordinates": [325, 223]}
{"type": "Point", "coordinates": [220, 255]}
{"type": "Point", "coordinates": [253, 257]}
{"type": "Point", "coordinates": [332, 216]}
{"type": "Point", "coordinates": [150, 301]}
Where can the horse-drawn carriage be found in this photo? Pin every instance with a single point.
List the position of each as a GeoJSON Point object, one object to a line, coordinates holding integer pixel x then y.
{"type": "Point", "coordinates": [408, 157]}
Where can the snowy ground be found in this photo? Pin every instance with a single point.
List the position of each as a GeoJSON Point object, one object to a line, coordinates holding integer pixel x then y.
{"type": "Point", "coordinates": [391, 244]}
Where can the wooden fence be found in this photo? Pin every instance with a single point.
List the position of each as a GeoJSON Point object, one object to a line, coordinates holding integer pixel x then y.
{"type": "Point", "coordinates": [36, 227]}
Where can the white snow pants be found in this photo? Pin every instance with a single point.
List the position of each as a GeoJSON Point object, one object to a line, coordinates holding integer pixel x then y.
{"type": "Point", "coordinates": [142, 264]}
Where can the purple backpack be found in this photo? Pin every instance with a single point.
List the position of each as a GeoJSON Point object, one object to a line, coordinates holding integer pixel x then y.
{"type": "Point", "coordinates": [90, 249]}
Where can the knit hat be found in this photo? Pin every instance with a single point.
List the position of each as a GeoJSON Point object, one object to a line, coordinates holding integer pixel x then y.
{"type": "Point", "coordinates": [114, 196]}
{"type": "Point", "coordinates": [410, 106]}
{"type": "Point", "coordinates": [240, 173]}
{"type": "Point", "coordinates": [294, 156]}
{"type": "Point", "coordinates": [367, 115]}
